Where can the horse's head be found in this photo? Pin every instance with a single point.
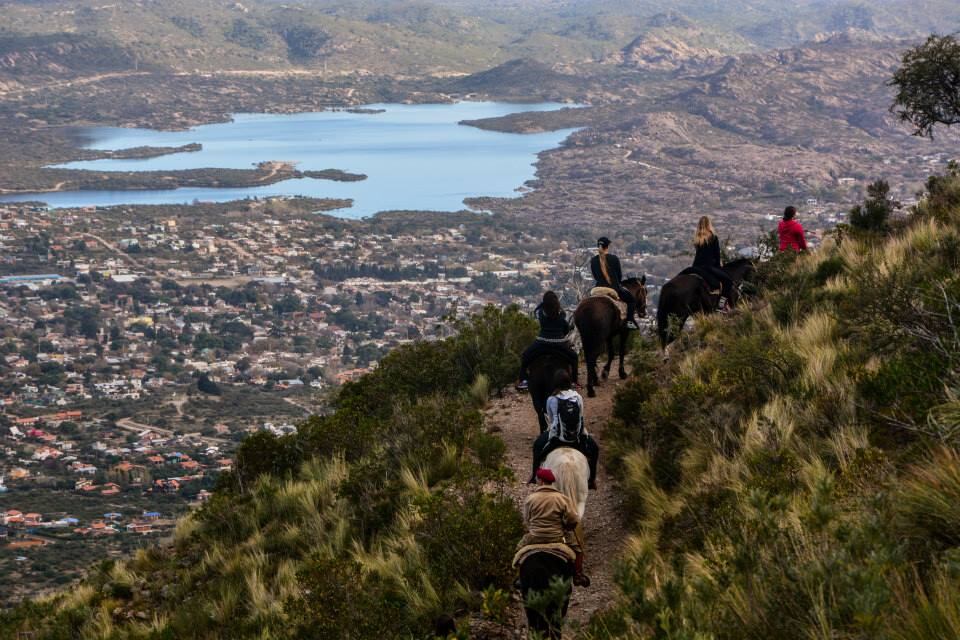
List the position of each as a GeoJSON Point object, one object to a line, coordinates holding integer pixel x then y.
{"type": "Point", "coordinates": [740, 269]}
{"type": "Point", "coordinates": [638, 289]}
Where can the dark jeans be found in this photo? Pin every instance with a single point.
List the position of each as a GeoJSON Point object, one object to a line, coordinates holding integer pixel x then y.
{"type": "Point", "coordinates": [725, 282]}
{"type": "Point", "coordinates": [541, 348]}
{"type": "Point", "coordinates": [542, 447]}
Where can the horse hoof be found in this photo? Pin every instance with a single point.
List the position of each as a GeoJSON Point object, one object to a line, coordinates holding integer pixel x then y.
{"type": "Point", "coordinates": [591, 393]}
{"type": "Point", "coordinates": [606, 375]}
{"type": "Point", "coordinates": [623, 374]}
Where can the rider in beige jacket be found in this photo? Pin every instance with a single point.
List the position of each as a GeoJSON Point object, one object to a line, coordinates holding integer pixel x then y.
{"type": "Point", "coordinates": [551, 518]}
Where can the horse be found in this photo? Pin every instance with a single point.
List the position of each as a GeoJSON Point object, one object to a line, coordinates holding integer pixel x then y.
{"type": "Point", "coordinates": [687, 294]}
{"type": "Point", "coordinates": [539, 570]}
{"type": "Point", "coordinates": [598, 322]}
{"type": "Point", "coordinates": [546, 609]}
{"type": "Point", "coordinates": [542, 373]}
{"type": "Point", "coordinates": [571, 469]}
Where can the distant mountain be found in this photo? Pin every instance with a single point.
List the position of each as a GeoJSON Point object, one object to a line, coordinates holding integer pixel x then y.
{"type": "Point", "coordinates": [422, 37]}
{"type": "Point", "coordinates": [518, 77]}
{"type": "Point", "coordinates": [673, 41]}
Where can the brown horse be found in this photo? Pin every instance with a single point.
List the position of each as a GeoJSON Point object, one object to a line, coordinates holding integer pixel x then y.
{"type": "Point", "coordinates": [598, 322]}
{"type": "Point", "coordinates": [687, 294]}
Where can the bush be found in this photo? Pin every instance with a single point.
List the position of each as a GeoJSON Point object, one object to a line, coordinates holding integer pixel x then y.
{"type": "Point", "coordinates": [874, 214]}
{"type": "Point", "coordinates": [468, 538]}
{"type": "Point", "coordinates": [338, 596]}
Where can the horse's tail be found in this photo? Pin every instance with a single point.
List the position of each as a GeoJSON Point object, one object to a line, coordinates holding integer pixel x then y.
{"type": "Point", "coordinates": [594, 324]}
{"type": "Point", "coordinates": [572, 471]}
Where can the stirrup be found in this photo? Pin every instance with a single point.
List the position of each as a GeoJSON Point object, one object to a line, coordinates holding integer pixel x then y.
{"type": "Point", "coordinates": [633, 326]}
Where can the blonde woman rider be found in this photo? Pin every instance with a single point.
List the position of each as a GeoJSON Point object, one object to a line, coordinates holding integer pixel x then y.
{"type": "Point", "coordinates": [707, 259]}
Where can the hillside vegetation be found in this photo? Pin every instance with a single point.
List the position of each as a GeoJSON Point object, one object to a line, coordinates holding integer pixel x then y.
{"type": "Point", "coordinates": [794, 472]}
{"type": "Point", "coordinates": [371, 522]}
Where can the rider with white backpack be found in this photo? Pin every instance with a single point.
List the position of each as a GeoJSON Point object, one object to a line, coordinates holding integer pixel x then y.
{"type": "Point", "coordinates": [565, 427]}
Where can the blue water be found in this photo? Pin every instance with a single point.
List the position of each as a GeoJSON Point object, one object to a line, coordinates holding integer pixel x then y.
{"type": "Point", "coordinates": [416, 157]}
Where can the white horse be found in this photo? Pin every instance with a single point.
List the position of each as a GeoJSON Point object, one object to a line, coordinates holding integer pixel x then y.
{"type": "Point", "coordinates": [572, 471]}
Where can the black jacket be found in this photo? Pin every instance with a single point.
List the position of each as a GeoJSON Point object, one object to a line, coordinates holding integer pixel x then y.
{"type": "Point", "coordinates": [552, 328]}
{"type": "Point", "coordinates": [708, 254]}
{"type": "Point", "coordinates": [613, 268]}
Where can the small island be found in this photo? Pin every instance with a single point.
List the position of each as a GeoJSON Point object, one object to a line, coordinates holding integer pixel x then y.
{"type": "Point", "coordinates": [144, 153]}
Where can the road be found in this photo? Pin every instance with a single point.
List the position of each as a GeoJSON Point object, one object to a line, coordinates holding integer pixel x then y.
{"type": "Point", "coordinates": [129, 424]}
{"type": "Point", "coordinates": [126, 256]}
{"type": "Point", "coordinates": [74, 83]}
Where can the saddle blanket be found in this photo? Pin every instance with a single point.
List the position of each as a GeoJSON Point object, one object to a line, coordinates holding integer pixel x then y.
{"type": "Point", "coordinates": [557, 549]}
{"type": "Point", "coordinates": [607, 292]}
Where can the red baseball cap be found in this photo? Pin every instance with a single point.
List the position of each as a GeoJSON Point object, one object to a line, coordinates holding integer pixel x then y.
{"type": "Point", "coordinates": [546, 475]}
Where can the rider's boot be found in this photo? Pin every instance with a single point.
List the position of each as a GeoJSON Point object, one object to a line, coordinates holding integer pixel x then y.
{"type": "Point", "coordinates": [579, 577]}
{"type": "Point", "coordinates": [632, 322]}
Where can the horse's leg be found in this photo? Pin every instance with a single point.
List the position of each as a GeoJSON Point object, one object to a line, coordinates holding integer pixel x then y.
{"type": "Point", "coordinates": [624, 339]}
{"type": "Point", "coordinates": [542, 416]}
{"type": "Point", "coordinates": [610, 356]}
{"type": "Point", "coordinates": [590, 356]}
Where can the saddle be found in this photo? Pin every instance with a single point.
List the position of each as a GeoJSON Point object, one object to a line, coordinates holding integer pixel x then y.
{"type": "Point", "coordinates": [558, 549]}
{"type": "Point", "coordinates": [607, 292]}
{"type": "Point", "coordinates": [708, 279]}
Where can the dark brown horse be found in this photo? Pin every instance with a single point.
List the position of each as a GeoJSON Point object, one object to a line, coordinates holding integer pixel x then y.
{"type": "Point", "coordinates": [598, 321]}
{"type": "Point", "coordinates": [543, 373]}
{"type": "Point", "coordinates": [546, 583]}
{"type": "Point", "coordinates": [687, 294]}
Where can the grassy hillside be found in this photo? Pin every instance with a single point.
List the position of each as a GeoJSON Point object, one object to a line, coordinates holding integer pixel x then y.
{"type": "Point", "coordinates": [794, 471]}
{"type": "Point", "coordinates": [371, 522]}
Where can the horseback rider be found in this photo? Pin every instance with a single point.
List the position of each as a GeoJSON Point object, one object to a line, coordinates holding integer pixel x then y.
{"type": "Point", "coordinates": [707, 261]}
{"type": "Point", "coordinates": [549, 516]}
{"type": "Point", "coordinates": [553, 338]}
{"type": "Point", "coordinates": [566, 428]}
{"type": "Point", "coordinates": [606, 271]}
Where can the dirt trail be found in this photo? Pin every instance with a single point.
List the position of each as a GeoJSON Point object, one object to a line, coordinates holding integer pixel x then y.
{"type": "Point", "coordinates": [514, 418]}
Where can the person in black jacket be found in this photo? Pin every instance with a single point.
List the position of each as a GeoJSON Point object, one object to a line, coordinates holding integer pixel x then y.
{"type": "Point", "coordinates": [554, 329]}
{"type": "Point", "coordinates": [606, 271]}
{"type": "Point", "coordinates": [707, 259]}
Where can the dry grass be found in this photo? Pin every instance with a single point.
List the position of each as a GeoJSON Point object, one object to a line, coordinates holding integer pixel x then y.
{"type": "Point", "coordinates": [638, 481]}
{"type": "Point", "coordinates": [926, 613]}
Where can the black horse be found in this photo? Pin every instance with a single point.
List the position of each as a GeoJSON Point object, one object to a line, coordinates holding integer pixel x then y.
{"type": "Point", "coordinates": [546, 608]}
{"type": "Point", "coordinates": [598, 322]}
{"type": "Point", "coordinates": [543, 371]}
{"type": "Point", "coordinates": [687, 294]}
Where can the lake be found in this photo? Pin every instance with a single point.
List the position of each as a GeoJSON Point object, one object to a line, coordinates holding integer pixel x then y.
{"type": "Point", "coordinates": [416, 157]}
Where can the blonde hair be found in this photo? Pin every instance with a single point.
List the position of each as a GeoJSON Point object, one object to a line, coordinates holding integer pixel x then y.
{"type": "Point", "coordinates": [705, 232]}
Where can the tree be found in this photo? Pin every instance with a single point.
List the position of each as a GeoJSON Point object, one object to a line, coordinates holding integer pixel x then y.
{"type": "Point", "coordinates": [928, 85]}
{"type": "Point", "coordinates": [875, 211]}
{"type": "Point", "coordinates": [208, 386]}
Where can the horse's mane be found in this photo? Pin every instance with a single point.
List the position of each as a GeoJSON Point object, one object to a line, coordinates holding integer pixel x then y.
{"type": "Point", "coordinates": [572, 470]}
{"type": "Point", "coordinates": [632, 280]}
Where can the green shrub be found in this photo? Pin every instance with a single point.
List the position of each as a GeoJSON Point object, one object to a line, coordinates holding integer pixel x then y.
{"type": "Point", "coordinates": [468, 537]}
{"type": "Point", "coordinates": [339, 600]}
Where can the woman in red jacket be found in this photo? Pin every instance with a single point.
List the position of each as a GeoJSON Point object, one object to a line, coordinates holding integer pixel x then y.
{"type": "Point", "coordinates": [790, 232]}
